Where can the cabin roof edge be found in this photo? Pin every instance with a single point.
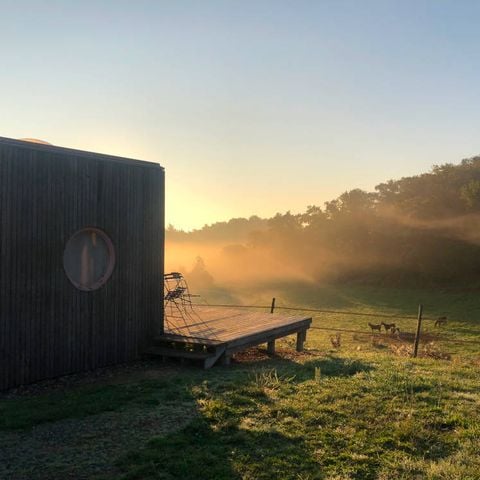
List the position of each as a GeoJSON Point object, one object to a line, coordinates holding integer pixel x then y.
{"type": "Point", "coordinates": [72, 151]}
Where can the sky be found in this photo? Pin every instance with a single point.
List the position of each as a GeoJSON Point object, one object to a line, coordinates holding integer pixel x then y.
{"type": "Point", "coordinates": [252, 106]}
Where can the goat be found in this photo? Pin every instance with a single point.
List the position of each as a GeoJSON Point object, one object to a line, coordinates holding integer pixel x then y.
{"type": "Point", "coordinates": [375, 327]}
{"type": "Point", "coordinates": [395, 331]}
{"type": "Point", "coordinates": [336, 340]}
{"type": "Point", "coordinates": [388, 326]}
{"type": "Point", "coordinates": [440, 321]}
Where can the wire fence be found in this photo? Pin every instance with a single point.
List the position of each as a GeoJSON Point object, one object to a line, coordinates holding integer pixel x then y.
{"type": "Point", "coordinates": [316, 310]}
{"type": "Point", "coordinates": [274, 307]}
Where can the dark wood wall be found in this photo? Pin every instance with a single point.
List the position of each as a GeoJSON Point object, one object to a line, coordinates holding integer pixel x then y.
{"type": "Point", "coordinates": [47, 326]}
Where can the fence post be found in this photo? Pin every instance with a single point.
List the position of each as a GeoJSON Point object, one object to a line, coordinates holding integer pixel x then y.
{"type": "Point", "coordinates": [419, 326]}
{"type": "Point", "coordinates": [273, 305]}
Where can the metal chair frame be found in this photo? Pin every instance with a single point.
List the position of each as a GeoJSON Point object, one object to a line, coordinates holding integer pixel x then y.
{"type": "Point", "coordinates": [178, 299]}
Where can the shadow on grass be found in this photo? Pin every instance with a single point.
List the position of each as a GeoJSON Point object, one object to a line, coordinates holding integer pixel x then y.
{"type": "Point", "coordinates": [26, 412]}
{"type": "Point", "coordinates": [330, 366]}
{"type": "Point", "coordinates": [219, 444]}
{"type": "Point", "coordinates": [249, 421]}
{"type": "Point", "coordinates": [216, 444]}
{"type": "Point", "coordinates": [203, 451]}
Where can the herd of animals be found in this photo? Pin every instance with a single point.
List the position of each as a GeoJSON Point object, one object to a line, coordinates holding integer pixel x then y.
{"type": "Point", "coordinates": [393, 329]}
{"type": "Point", "coordinates": [389, 327]}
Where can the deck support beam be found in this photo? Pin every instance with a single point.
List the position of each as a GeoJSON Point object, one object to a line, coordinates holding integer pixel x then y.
{"type": "Point", "coordinates": [301, 337]}
{"type": "Point", "coordinates": [225, 359]}
{"type": "Point", "coordinates": [271, 347]}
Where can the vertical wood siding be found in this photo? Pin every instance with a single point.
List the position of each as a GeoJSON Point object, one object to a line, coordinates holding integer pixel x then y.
{"type": "Point", "coordinates": [47, 326]}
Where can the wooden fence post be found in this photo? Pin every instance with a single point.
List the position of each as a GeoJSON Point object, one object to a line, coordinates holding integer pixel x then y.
{"type": "Point", "coordinates": [273, 305]}
{"type": "Point", "coordinates": [419, 326]}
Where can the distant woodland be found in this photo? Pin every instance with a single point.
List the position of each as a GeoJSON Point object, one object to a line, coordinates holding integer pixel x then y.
{"type": "Point", "coordinates": [422, 230]}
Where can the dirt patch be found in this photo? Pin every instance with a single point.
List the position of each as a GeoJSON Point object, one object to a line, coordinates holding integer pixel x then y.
{"type": "Point", "coordinates": [426, 337]}
{"type": "Point", "coordinates": [429, 350]}
{"type": "Point", "coordinates": [257, 354]}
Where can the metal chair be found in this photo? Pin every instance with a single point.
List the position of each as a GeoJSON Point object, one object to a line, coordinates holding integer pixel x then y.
{"type": "Point", "coordinates": [177, 298]}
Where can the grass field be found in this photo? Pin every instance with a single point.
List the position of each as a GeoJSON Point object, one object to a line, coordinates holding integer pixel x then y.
{"type": "Point", "coordinates": [358, 412]}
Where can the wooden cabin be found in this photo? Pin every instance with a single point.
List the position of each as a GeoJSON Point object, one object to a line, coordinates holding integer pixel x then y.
{"type": "Point", "coordinates": [81, 260]}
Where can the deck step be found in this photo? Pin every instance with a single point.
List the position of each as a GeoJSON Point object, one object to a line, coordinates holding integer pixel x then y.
{"type": "Point", "coordinates": [185, 344]}
{"type": "Point", "coordinates": [208, 358]}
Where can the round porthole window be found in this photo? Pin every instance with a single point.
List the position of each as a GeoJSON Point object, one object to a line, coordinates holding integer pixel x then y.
{"type": "Point", "coordinates": [89, 258]}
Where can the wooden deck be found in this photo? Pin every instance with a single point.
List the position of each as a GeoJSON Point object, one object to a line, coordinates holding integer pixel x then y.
{"type": "Point", "coordinates": [211, 334]}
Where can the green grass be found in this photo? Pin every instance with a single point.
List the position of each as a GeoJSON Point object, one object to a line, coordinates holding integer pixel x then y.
{"type": "Point", "coordinates": [365, 418]}
{"type": "Point", "coordinates": [357, 413]}
{"type": "Point", "coordinates": [81, 402]}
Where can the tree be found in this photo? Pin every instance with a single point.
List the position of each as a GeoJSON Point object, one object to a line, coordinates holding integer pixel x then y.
{"type": "Point", "coordinates": [199, 277]}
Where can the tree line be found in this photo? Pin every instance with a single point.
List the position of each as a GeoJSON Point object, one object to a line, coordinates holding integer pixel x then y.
{"type": "Point", "coordinates": [418, 230]}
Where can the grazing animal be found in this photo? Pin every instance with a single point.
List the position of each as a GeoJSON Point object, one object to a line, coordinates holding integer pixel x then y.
{"type": "Point", "coordinates": [336, 340]}
{"type": "Point", "coordinates": [388, 326]}
{"type": "Point", "coordinates": [375, 327]}
{"type": "Point", "coordinates": [440, 321]}
{"type": "Point", "coordinates": [395, 331]}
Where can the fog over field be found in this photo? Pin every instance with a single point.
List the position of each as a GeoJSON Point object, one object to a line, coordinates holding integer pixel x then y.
{"type": "Point", "coordinates": [416, 231]}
